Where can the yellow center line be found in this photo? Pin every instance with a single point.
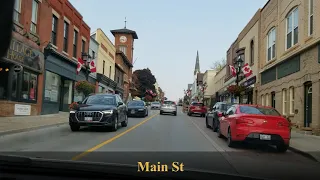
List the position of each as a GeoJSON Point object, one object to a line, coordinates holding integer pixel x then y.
{"type": "Point", "coordinates": [77, 157]}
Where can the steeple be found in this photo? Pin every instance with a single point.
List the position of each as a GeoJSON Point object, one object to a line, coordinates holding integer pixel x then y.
{"type": "Point", "coordinates": [197, 66]}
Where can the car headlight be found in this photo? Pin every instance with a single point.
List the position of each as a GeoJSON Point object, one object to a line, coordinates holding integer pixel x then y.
{"type": "Point", "coordinates": [72, 112]}
{"type": "Point", "coordinates": [107, 112]}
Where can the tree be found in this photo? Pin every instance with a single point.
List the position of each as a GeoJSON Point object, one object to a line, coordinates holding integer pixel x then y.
{"type": "Point", "coordinates": [218, 65]}
{"type": "Point", "coordinates": [143, 80]}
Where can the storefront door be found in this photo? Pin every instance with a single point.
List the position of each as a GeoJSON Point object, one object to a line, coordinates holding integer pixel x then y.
{"type": "Point", "coordinates": [66, 92]}
{"type": "Point", "coordinates": [308, 105]}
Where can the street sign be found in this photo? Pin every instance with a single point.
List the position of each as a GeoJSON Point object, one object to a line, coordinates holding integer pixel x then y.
{"type": "Point", "coordinates": [17, 68]}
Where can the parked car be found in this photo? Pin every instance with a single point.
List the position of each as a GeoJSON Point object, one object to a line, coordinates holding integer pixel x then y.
{"type": "Point", "coordinates": [212, 117]}
{"type": "Point", "coordinates": [137, 108]}
{"type": "Point", "coordinates": [106, 110]}
{"type": "Point", "coordinates": [255, 124]}
{"type": "Point", "coordinates": [197, 108]}
{"type": "Point", "coordinates": [168, 107]}
{"type": "Point", "coordinates": [155, 105]}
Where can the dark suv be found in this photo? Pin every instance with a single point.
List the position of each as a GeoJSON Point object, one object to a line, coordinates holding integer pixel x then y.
{"type": "Point", "coordinates": [212, 117]}
{"type": "Point", "coordinates": [106, 110]}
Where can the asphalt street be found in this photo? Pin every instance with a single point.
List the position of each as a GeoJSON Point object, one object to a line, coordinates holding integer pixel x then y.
{"type": "Point", "coordinates": [159, 138]}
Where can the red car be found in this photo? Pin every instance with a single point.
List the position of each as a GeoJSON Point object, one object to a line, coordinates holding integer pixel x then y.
{"type": "Point", "coordinates": [197, 108]}
{"type": "Point", "coordinates": [257, 124]}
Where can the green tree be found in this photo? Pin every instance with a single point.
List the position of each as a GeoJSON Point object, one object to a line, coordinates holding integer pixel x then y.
{"type": "Point", "coordinates": [144, 80]}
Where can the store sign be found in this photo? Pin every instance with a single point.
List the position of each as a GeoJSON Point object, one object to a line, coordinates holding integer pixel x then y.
{"type": "Point", "coordinates": [250, 81]}
{"type": "Point", "coordinates": [22, 110]}
{"type": "Point", "coordinates": [25, 55]}
{"type": "Point", "coordinates": [17, 68]}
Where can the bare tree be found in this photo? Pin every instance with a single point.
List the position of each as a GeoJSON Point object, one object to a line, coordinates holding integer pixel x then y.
{"type": "Point", "coordinates": [218, 65]}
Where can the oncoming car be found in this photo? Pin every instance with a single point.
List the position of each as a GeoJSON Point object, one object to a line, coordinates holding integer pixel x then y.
{"type": "Point", "coordinates": [105, 110]}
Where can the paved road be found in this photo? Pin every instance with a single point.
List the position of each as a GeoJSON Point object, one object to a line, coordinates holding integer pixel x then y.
{"type": "Point", "coordinates": [159, 138]}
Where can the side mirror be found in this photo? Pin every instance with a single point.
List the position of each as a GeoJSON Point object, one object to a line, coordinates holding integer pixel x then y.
{"type": "Point", "coordinates": [120, 103]}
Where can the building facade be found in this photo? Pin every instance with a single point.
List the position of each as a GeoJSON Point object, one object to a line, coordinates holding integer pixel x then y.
{"type": "Point", "coordinates": [105, 62]}
{"type": "Point", "coordinates": [69, 38]}
{"type": "Point", "coordinates": [125, 67]}
{"type": "Point", "coordinates": [219, 87]}
{"type": "Point", "coordinates": [208, 81]}
{"type": "Point", "coordinates": [22, 69]}
{"type": "Point", "coordinates": [290, 60]}
{"type": "Point", "coordinates": [194, 89]}
{"type": "Point", "coordinates": [93, 52]}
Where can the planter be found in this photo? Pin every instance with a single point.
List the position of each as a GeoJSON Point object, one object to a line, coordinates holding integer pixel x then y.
{"type": "Point", "coordinates": [74, 106]}
{"type": "Point", "coordinates": [236, 90]}
{"type": "Point", "coordinates": [85, 87]}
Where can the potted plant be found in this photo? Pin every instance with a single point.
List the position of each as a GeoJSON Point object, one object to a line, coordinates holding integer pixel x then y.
{"type": "Point", "coordinates": [74, 106]}
{"type": "Point", "coordinates": [235, 89]}
{"type": "Point", "coordinates": [85, 87]}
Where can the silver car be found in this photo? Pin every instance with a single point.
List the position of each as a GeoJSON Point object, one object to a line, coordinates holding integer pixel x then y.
{"type": "Point", "coordinates": [168, 107]}
{"type": "Point", "coordinates": [155, 105]}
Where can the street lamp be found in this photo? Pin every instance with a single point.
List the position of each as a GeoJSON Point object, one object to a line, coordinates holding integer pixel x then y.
{"type": "Point", "coordinates": [239, 64]}
{"type": "Point", "coordinates": [86, 59]}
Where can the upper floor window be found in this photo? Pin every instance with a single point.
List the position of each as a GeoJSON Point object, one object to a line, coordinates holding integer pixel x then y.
{"type": "Point", "coordinates": [123, 49]}
{"type": "Point", "coordinates": [271, 51]}
{"type": "Point", "coordinates": [103, 66]}
{"type": "Point", "coordinates": [75, 42]}
{"type": "Point", "coordinates": [251, 52]}
{"type": "Point", "coordinates": [93, 54]}
{"type": "Point", "coordinates": [83, 46]}
{"type": "Point", "coordinates": [54, 30]}
{"type": "Point", "coordinates": [292, 28]}
{"type": "Point", "coordinates": [110, 68]}
{"type": "Point", "coordinates": [17, 10]}
{"type": "Point", "coordinates": [65, 36]}
{"type": "Point", "coordinates": [310, 30]}
{"type": "Point", "coordinates": [34, 18]}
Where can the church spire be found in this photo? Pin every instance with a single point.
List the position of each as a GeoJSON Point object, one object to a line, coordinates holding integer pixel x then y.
{"type": "Point", "coordinates": [197, 66]}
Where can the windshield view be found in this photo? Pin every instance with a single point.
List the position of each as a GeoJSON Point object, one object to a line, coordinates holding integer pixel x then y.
{"type": "Point", "coordinates": [217, 86]}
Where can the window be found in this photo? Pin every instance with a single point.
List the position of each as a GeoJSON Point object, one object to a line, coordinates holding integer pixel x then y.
{"type": "Point", "coordinates": [52, 85]}
{"type": "Point", "coordinates": [83, 48]}
{"type": "Point", "coordinates": [75, 42]}
{"type": "Point", "coordinates": [259, 110]}
{"type": "Point", "coordinates": [17, 10]}
{"type": "Point", "coordinates": [54, 30]}
{"type": "Point", "coordinates": [34, 18]}
{"type": "Point", "coordinates": [292, 28]}
{"type": "Point", "coordinates": [273, 99]}
{"type": "Point", "coordinates": [93, 54]}
{"type": "Point", "coordinates": [291, 100]}
{"type": "Point", "coordinates": [267, 100]}
{"type": "Point", "coordinates": [123, 49]}
{"type": "Point", "coordinates": [65, 36]}
{"type": "Point", "coordinates": [110, 72]}
{"type": "Point", "coordinates": [284, 101]}
{"type": "Point", "coordinates": [262, 100]}
{"type": "Point", "coordinates": [251, 52]}
{"type": "Point", "coordinates": [104, 64]}
{"type": "Point", "coordinates": [118, 79]}
{"type": "Point", "coordinates": [310, 17]}
{"type": "Point", "coordinates": [29, 86]}
{"type": "Point", "coordinates": [271, 51]}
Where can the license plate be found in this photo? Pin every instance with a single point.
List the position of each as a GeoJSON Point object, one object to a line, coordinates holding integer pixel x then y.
{"type": "Point", "coordinates": [265, 137]}
{"type": "Point", "coordinates": [88, 118]}
{"type": "Point", "coordinates": [198, 108]}
{"type": "Point", "coordinates": [132, 111]}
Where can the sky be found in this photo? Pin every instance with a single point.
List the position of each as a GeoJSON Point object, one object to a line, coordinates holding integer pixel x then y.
{"type": "Point", "coordinates": [171, 31]}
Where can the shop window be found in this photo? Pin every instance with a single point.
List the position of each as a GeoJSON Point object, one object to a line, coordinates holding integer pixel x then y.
{"type": "Point", "coordinates": [262, 100]}
{"type": "Point", "coordinates": [284, 101]}
{"type": "Point", "coordinates": [78, 96]}
{"type": "Point", "coordinates": [267, 100]}
{"type": "Point", "coordinates": [291, 100]}
{"type": "Point", "coordinates": [29, 86]}
{"type": "Point", "coordinates": [52, 87]}
{"type": "Point", "coordinates": [273, 99]}
{"type": "Point", "coordinates": [4, 76]}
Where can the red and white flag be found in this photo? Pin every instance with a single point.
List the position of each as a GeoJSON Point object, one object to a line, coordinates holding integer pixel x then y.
{"type": "Point", "coordinates": [247, 70]}
{"type": "Point", "coordinates": [79, 66]}
{"type": "Point", "coordinates": [233, 70]}
{"type": "Point", "coordinates": [92, 65]}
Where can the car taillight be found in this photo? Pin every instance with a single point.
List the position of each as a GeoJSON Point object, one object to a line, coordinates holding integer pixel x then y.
{"type": "Point", "coordinates": [244, 121]}
{"type": "Point", "coordinates": [192, 107]}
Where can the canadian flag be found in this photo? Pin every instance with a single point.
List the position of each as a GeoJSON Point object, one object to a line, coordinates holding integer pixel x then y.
{"type": "Point", "coordinates": [247, 70]}
{"type": "Point", "coordinates": [233, 70]}
{"type": "Point", "coordinates": [92, 65]}
{"type": "Point", "coordinates": [79, 66]}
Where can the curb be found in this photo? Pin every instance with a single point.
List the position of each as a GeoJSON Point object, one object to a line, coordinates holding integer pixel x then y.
{"type": "Point", "coordinates": [29, 129]}
{"type": "Point", "coordinates": [305, 154]}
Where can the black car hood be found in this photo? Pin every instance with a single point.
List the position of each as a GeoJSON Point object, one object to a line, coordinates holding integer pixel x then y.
{"type": "Point", "coordinates": [25, 165]}
{"type": "Point", "coordinates": [135, 107]}
{"type": "Point", "coordinates": [85, 107]}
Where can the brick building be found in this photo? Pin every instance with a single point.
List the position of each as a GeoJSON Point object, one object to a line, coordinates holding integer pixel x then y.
{"type": "Point", "coordinates": [290, 60]}
{"type": "Point", "coordinates": [22, 69]}
{"type": "Point", "coordinates": [64, 42]}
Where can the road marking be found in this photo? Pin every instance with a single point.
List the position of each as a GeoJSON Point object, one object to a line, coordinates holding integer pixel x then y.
{"type": "Point", "coordinates": [77, 157]}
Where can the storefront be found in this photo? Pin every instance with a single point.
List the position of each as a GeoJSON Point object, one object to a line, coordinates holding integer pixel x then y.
{"type": "Point", "coordinates": [60, 77]}
{"type": "Point", "coordinates": [120, 91]}
{"type": "Point", "coordinates": [247, 95]}
{"type": "Point", "coordinates": [20, 79]}
{"type": "Point", "coordinates": [105, 84]}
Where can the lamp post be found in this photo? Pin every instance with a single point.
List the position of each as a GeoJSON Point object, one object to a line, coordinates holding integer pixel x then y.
{"type": "Point", "coordinates": [86, 59]}
{"type": "Point", "coordinates": [239, 65]}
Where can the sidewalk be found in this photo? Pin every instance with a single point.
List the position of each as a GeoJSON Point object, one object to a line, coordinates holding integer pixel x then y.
{"type": "Point", "coordinates": [308, 145]}
{"type": "Point", "coordinates": [9, 125]}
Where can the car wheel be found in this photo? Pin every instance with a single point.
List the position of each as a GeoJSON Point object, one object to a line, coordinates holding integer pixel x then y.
{"type": "Point", "coordinates": [115, 124]}
{"type": "Point", "coordinates": [189, 114]}
{"type": "Point", "coordinates": [147, 114]}
{"type": "Point", "coordinates": [175, 113]}
{"type": "Point", "coordinates": [74, 127]}
{"type": "Point", "coordinates": [207, 125]}
{"type": "Point", "coordinates": [218, 131]}
{"type": "Point", "coordinates": [229, 139]}
{"type": "Point", "coordinates": [125, 122]}
{"type": "Point", "coordinates": [282, 148]}
{"type": "Point", "coordinates": [161, 112]}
